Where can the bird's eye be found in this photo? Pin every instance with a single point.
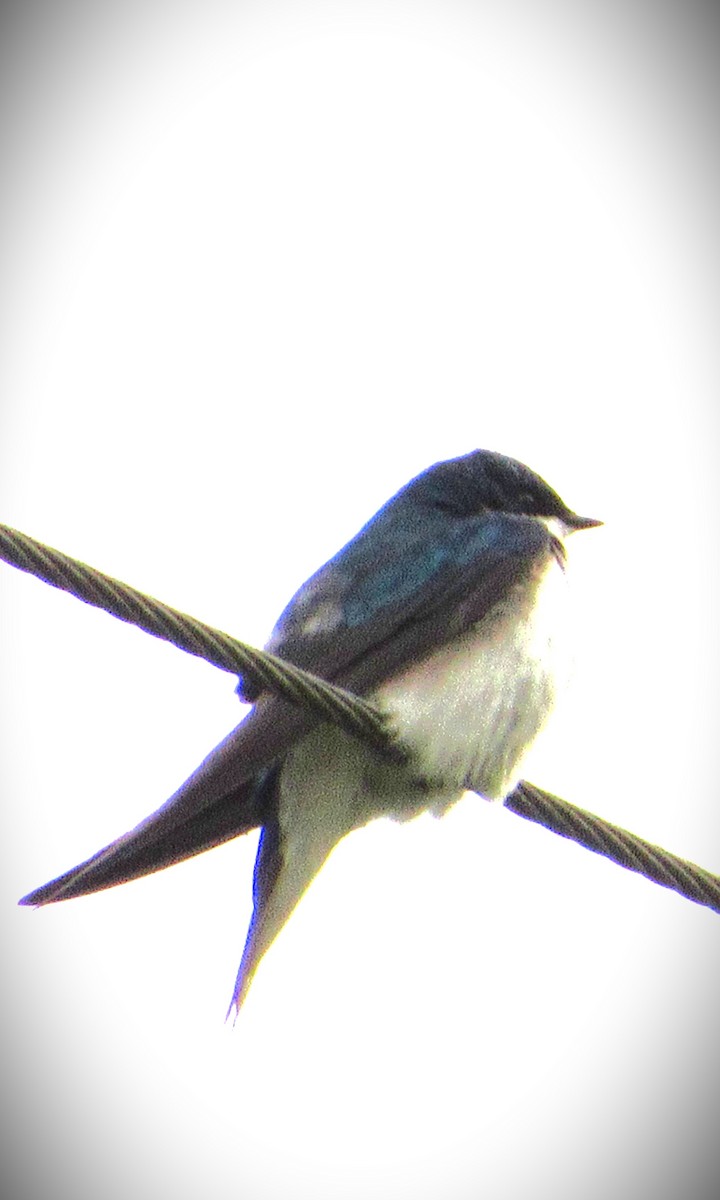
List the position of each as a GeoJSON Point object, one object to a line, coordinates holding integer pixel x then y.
{"type": "Point", "coordinates": [526, 502]}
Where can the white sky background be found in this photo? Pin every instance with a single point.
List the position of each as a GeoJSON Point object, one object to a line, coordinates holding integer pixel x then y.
{"type": "Point", "coordinates": [261, 264]}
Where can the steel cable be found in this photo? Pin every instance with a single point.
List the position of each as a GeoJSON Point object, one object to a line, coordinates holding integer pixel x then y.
{"type": "Point", "coordinates": [350, 712]}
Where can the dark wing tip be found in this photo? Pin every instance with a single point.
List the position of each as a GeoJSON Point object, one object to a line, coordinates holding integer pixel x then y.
{"type": "Point", "coordinates": [47, 894]}
{"type": "Point", "coordinates": [149, 848]}
{"type": "Point", "coordinates": [77, 882]}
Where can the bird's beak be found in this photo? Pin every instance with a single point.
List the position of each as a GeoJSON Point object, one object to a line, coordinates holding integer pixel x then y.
{"type": "Point", "coordinates": [574, 522]}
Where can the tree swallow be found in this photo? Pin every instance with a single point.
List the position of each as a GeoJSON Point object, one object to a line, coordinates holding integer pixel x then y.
{"type": "Point", "coordinates": [445, 611]}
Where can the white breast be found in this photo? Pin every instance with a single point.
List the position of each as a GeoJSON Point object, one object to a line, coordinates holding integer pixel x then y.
{"type": "Point", "coordinates": [470, 711]}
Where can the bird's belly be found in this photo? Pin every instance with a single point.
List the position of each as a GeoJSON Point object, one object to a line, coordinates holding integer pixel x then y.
{"type": "Point", "coordinates": [469, 712]}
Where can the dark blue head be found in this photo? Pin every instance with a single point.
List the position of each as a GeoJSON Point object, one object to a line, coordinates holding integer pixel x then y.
{"type": "Point", "coordinates": [485, 480]}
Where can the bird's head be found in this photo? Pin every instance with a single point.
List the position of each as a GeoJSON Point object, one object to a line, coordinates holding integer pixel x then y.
{"type": "Point", "coordinates": [485, 480]}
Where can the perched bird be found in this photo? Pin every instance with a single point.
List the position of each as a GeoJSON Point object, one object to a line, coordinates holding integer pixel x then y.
{"type": "Point", "coordinates": [446, 611]}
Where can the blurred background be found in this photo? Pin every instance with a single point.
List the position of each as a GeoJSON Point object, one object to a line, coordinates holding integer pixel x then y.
{"type": "Point", "coordinates": [262, 263]}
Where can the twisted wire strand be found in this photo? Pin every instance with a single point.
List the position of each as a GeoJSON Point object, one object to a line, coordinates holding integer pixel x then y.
{"type": "Point", "coordinates": [328, 702]}
{"type": "Point", "coordinates": [350, 712]}
{"type": "Point", "coordinates": [624, 848]}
